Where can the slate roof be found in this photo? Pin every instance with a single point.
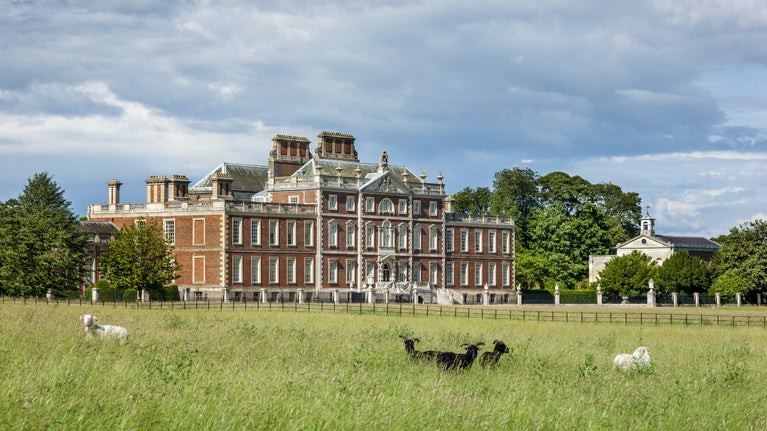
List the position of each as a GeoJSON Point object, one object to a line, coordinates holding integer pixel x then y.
{"type": "Point", "coordinates": [98, 227]}
{"type": "Point", "coordinates": [246, 179]}
{"type": "Point", "coordinates": [349, 169]}
{"type": "Point", "coordinates": [688, 242]}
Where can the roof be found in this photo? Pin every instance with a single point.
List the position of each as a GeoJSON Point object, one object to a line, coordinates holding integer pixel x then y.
{"type": "Point", "coordinates": [690, 242]}
{"type": "Point", "coordinates": [246, 179]}
{"type": "Point", "coordinates": [98, 227]}
{"type": "Point", "coordinates": [349, 169]}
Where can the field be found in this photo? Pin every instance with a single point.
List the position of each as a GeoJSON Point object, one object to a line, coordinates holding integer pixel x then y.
{"type": "Point", "coordinates": [285, 370]}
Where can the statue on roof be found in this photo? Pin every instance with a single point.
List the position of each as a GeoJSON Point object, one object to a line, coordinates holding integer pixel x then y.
{"type": "Point", "coordinates": [384, 161]}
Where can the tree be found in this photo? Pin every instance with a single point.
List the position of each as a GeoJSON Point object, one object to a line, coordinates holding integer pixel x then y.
{"type": "Point", "coordinates": [744, 254]}
{"type": "Point", "coordinates": [140, 258]}
{"type": "Point", "coordinates": [515, 194]}
{"type": "Point", "coordinates": [41, 246]}
{"type": "Point", "coordinates": [683, 272]}
{"type": "Point", "coordinates": [627, 275]}
{"type": "Point", "coordinates": [469, 201]}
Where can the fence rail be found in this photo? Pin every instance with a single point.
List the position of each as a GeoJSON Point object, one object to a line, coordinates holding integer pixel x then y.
{"type": "Point", "coordinates": [657, 317]}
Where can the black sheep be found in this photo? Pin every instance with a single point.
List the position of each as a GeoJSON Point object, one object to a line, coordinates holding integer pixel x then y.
{"type": "Point", "coordinates": [452, 360]}
{"type": "Point", "coordinates": [491, 358]}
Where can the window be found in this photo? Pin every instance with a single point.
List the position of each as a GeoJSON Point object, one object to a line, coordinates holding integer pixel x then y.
{"type": "Point", "coordinates": [402, 273]}
{"type": "Point", "coordinates": [350, 203]}
{"type": "Point", "coordinates": [291, 228]}
{"type": "Point", "coordinates": [464, 274]}
{"type": "Point", "coordinates": [403, 206]}
{"type": "Point", "coordinates": [309, 270]}
{"type": "Point", "coordinates": [350, 272]}
{"type": "Point", "coordinates": [350, 234]}
{"type": "Point", "coordinates": [491, 241]}
{"type": "Point", "coordinates": [236, 269]}
{"type": "Point", "coordinates": [402, 235]}
{"type": "Point", "coordinates": [255, 270]}
{"type": "Point", "coordinates": [332, 234]}
{"type": "Point", "coordinates": [333, 272]}
{"type": "Point", "coordinates": [291, 270]}
{"type": "Point", "coordinates": [477, 274]}
{"type": "Point", "coordinates": [417, 272]}
{"type": "Point", "coordinates": [417, 238]}
{"type": "Point", "coordinates": [449, 240]}
{"type": "Point", "coordinates": [478, 241]}
{"type": "Point", "coordinates": [432, 208]}
{"type": "Point", "coordinates": [449, 273]}
{"type": "Point", "coordinates": [505, 274]}
{"type": "Point", "coordinates": [433, 238]}
{"type": "Point", "coordinates": [274, 268]}
{"type": "Point", "coordinates": [370, 235]}
{"type": "Point", "coordinates": [332, 202]}
{"type": "Point", "coordinates": [236, 231]}
{"type": "Point", "coordinates": [370, 272]}
{"type": "Point", "coordinates": [370, 205]}
{"type": "Point", "coordinates": [255, 232]}
{"type": "Point", "coordinates": [386, 235]}
{"type": "Point", "coordinates": [491, 274]}
{"type": "Point", "coordinates": [292, 199]}
{"type": "Point", "coordinates": [386, 207]}
{"type": "Point", "coordinates": [464, 240]}
{"type": "Point", "coordinates": [170, 231]}
{"type": "Point", "coordinates": [308, 233]}
{"type": "Point", "coordinates": [434, 274]}
{"type": "Point", "coordinates": [416, 207]}
{"type": "Point", "coordinates": [274, 234]}
{"type": "Point", "coordinates": [505, 242]}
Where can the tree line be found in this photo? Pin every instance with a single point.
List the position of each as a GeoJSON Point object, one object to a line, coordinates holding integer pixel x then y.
{"type": "Point", "coordinates": [560, 221]}
{"type": "Point", "coordinates": [43, 249]}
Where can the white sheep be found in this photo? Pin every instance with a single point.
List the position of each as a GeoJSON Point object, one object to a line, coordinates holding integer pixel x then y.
{"type": "Point", "coordinates": [103, 331]}
{"type": "Point", "coordinates": [638, 360]}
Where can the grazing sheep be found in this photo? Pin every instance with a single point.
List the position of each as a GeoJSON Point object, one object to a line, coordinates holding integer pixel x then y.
{"type": "Point", "coordinates": [103, 331]}
{"type": "Point", "coordinates": [491, 358]}
{"type": "Point", "coordinates": [417, 354]}
{"type": "Point", "coordinates": [452, 360]}
{"type": "Point", "coordinates": [638, 360]}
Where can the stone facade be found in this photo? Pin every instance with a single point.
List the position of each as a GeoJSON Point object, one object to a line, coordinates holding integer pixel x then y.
{"type": "Point", "coordinates": [323, 221]}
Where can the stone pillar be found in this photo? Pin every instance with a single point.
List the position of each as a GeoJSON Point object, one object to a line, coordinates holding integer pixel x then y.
{"type": "Point", "coordinates": [371, 297]}
{"type": "Point", "coordinates": [144, 295]}
{"type": "Point", "coordinates": [486, 296]}
{"type": "Point", "coordinates": [599, 294]}
{"type": "Point", "coordinates": [651, 294]}
{"type": "Point", "coordinates": [300, 296]}
{"type": "Point", "coordinates": [386, 296]}
{"type": "Point", "coordinates": [336, 298]}
{"type": "Point", "coordinates": [696, 296]}
{"type": "Point", "coordinates": [758, 299]}
{"type": "Point", "coordinates": [187, 294]}
{"type": "Point", "coordinates": [675, 298]}
{"type": "Point", "coordinates": [737, 299]}
{"type": "Point", "coordinates": [49, 294]}
{"type": "Point", "coordinates": [519, 296]}
{"type": "Point", "coordinates": [225, 293]}
{"type": "Point", "coordinates": [262, 292]}
{"type": "Point", "coordinates": [95, 294]}
{"type": "Point", "coordinates": [556, 294]}
{"type": "Point", "coordinates": [718, 297]}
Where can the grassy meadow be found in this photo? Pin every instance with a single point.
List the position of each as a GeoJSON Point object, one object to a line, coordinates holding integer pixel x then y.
{"type": "Point", "coordinates": [285, 370]}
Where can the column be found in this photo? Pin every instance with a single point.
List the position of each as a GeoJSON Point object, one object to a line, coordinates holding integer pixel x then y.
{"type": "Point", "coordinates": [95, 294]}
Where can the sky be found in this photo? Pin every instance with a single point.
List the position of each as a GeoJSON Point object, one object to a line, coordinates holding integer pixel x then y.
{"type": "Point", "coordinates": [667, 99]}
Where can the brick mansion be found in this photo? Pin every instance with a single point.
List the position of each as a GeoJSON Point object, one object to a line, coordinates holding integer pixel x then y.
{"type": "Point", "coordinates": [312, 223]}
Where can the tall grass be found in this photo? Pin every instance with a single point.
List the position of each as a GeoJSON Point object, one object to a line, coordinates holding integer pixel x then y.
{"type": "Point", "coordinates": [249, 369]}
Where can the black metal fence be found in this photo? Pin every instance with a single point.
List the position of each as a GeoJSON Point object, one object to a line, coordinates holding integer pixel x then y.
{"type": "Point", "coordinates": [653, 316]}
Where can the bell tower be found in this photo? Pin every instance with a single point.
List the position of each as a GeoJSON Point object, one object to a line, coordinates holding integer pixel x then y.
{"type": "Point", "coordinates": [648, 224]}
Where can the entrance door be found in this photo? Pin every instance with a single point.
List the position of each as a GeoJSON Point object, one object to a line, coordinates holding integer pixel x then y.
{"type": "Point", "coordinates": [385, 272]}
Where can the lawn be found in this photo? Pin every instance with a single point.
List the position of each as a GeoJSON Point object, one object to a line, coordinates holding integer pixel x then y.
{"type": "Point", "coordinates": [223, 369]}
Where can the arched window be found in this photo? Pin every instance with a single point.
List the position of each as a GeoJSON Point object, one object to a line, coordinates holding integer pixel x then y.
{"type": "Point", "coordinates": [386, 206]}
{"type": "Point", "coordinates": [387, 235]}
